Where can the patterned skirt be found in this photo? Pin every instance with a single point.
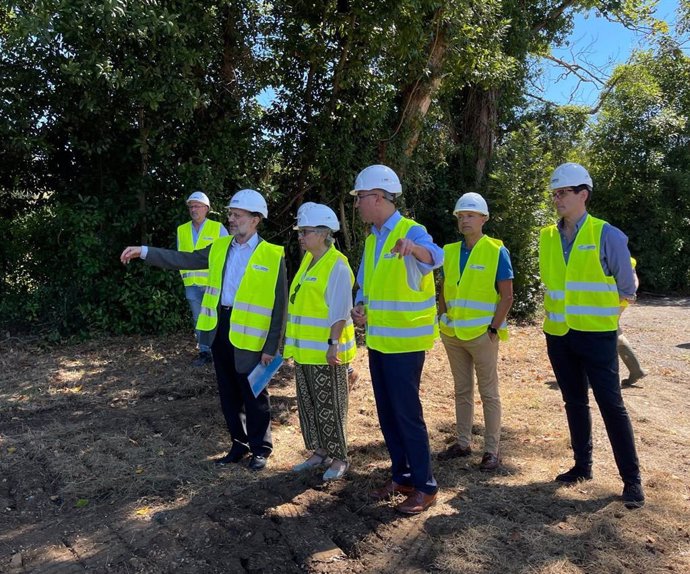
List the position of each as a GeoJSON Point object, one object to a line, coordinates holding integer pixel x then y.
{"type": "Point", "coordinates": [322, 397]}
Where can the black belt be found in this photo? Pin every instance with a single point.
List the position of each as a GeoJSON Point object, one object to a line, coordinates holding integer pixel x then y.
{"type": "Point", "coordinates": [226, 307]}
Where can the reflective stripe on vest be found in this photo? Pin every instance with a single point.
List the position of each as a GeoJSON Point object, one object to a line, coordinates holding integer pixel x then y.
{"type": "Point", "coordinates": [252, 309]}
{"type": "Point", "coordinates": [471, 297]}
{"type": "Point", "coordinates": [578, 295]}
{"type": "Point", "coordinates": [185, 242]}
{"type": "Point", "coordinates": [399, 319]}
{"type": "Point", "coordinates": [308, 327]}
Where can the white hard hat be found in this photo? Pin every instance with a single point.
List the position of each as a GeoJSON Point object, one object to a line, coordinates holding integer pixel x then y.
{"type": "Point", "coordinates": [471, 201]}
{"type": "Point", "coordinates": [570, 175]}
{"type": "Point", "coordinates": [304, 207]}
{"type": "Point", "coordinates": [249, 200]}
{"type": "Point", "coordinates": [315, 215]}
{"type": "Point", "coordinates": [199, 196]}
{"type": "Point", "coordinates": [377, 177]}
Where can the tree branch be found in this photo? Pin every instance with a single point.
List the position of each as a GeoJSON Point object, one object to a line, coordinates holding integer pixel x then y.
{"type": "Point", "coordinates": [556, 12]}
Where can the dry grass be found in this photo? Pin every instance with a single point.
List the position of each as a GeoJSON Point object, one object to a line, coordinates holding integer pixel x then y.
{"type": "Point", "coordinates": [105, 449]}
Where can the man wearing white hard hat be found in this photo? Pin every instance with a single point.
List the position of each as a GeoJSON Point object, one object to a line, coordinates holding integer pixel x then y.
{"type": "Point", "coordinates": [320, 337]}
{"type": "Point", "coordinates": [242, 317]}
{"type": "Point", "coordinates": [476, 295]}
{"type": "Point", "coordinates": [585, 265]}
{"type": "Point", "coordinates": [197, 233]}
{"type": "Point", "coordinates": [396, 301]}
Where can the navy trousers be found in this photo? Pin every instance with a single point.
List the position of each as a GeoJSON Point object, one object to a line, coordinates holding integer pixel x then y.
{"type": "Point", "coordinates": [395, 378]}
{"type": "Point", "coordinates": [248, 418]}
{"type": "Point", "coordinates": [582, 358]}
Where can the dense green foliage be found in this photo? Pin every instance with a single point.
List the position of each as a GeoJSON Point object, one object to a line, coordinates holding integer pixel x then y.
{"type": "Point", "coordinates": [640, 159]}
{"type": "Point", "coordinates": [112, 112]}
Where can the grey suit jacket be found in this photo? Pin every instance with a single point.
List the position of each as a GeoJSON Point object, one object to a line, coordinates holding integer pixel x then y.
{"type": "Point", "coordinates": [245, 360]}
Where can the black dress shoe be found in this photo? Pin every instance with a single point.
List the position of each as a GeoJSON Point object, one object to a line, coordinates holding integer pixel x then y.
{"type": "Point", "coordinates": [257, 462]}
{"type": "Point", "coordinates": [575, 474]}
{"type": "Point", "coordinates": [633, 495]}
{"type": "Point", "coordinates": [204, 358]}
{"type": "Point", "coordinates": [231, 458]}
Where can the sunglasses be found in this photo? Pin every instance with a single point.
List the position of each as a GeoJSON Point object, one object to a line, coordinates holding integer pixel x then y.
{"type": "Point", "coordinates": [294, 293]}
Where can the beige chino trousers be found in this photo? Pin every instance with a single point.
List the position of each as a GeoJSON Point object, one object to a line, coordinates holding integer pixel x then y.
{"type": "Point", "coordinates": [478, 355]}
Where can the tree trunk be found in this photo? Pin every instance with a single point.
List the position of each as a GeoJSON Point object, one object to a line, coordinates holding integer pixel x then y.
{"type": "Point", "coordinates": [481, 121]}
{"type": "Point", "coordinates": [144, 165]}
{"type": "Point", "coordinates": [417, 96]}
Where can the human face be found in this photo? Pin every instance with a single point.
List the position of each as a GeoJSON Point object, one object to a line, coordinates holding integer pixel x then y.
{"type": "Point", "coordinates": [366, 201]}
{"type": "Point", "coordinates": [567, 202]}
{"type": "Point", "coordinates": [470, 223]}
{"type": "Point", "coordinates": [310, 238]}
{"type": "Point", "coordinates": [241, 223]}
{"type": "Point", "coordinates": [197, 211]}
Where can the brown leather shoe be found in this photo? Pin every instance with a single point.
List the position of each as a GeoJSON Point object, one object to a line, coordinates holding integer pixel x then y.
{"type": "Point", "coordinates": [489, 462]}
{"type": "Point", "coordinates": [454, 451]}
{"type": "Point", "coordinates": [389, 489]}
{"type": "Point", "coordinates": [416, 502]}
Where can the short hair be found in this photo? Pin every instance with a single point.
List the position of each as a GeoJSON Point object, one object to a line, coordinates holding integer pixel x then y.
{"type": "Point", "coordinates": [582, 187]}
{"type": "Point", "coordinates": [328, 240]}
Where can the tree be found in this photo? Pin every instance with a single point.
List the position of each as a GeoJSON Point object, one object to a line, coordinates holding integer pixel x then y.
{"type": "Point", "coordinates": [639, 159]}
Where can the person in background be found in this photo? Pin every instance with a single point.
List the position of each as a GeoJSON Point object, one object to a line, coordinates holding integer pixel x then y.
{"type": "Point", "coordinates": [197, 234]}
{"type": "Point", "coordinates": [396, 302]}
{"type": "Point", "coordinates": [585, 265]}
{"type": "Point", "coordinates": [476, 295]}
{"type": "Point", "coordinates": [320, 337]}
{"type": "Point", "coordinates": [624, 348]}
{"type": "Point", "coordinates": [242, 317]}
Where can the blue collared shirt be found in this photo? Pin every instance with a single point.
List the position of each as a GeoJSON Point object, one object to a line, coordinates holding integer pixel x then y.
{"type": "Point", "coordinates": [415, 269]}
{"type": "Point", "coordinates": [614, 256]}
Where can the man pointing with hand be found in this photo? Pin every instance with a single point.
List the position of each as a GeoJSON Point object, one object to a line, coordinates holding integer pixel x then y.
{"type": "Point", "coordinates": [397, 303]}
{"type": "Point", "coordinates": [242, 317]}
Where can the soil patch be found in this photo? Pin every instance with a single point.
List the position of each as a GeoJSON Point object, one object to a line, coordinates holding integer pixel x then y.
{"type": "Point", "coordinates": [106, 465]}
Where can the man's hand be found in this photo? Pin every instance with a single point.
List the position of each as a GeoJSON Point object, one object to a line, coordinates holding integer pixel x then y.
{"type": "Point", "coordinates": [132, 252]}
{"type": "Point", "coordinates": [403, 247]}
{"type": "Point", "coordinates": [358, 315]}
{"type": "Point", "coordinates": [266, 358]}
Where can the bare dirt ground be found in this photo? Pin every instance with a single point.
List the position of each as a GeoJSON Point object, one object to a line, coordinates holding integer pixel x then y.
{"type": "Point", "coordinates": [106, 450]}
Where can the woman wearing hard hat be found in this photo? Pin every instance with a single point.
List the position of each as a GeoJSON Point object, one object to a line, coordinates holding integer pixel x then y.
{"type": "Point", "coordinates": [475, 297]}
{"type": "Point", "coordinates": [320, 338]}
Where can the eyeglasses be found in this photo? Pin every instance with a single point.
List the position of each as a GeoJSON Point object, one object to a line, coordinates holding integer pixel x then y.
{"type": "Point", "coordinates": [238, 215]}
{"type": "Point", "coordinates": [359, 197]}
{"type": "Point", "coordinates": [557, 194]}
{"type": "Point", "coordinates": [294, 293]}
{"type": "Point", "coordinates": [303, 232]}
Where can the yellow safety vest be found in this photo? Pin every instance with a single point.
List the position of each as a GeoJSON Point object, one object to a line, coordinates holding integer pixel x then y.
{"type": "Point", "coordinates": [471, 299]}
{"type": "Point", "coordinates": [185, 242]}
{"type": "Point", "coordinates": [308, 327]}
{"type": "Point", "coordinates": [399, 319]}
{"type": "Point", "coordinates": [578, 295]}
{"type": "Point", "coordinates": [251, 312]}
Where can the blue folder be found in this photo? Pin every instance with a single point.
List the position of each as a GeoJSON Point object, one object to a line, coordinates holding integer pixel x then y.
{"type": "Point", "coordinates": [262, 374]}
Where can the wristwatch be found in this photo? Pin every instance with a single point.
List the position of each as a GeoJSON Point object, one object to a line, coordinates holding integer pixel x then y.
{"type": "Point", "coordinates": [332, 342]}
{"type": "Point", "coordinates": [492, 330]}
